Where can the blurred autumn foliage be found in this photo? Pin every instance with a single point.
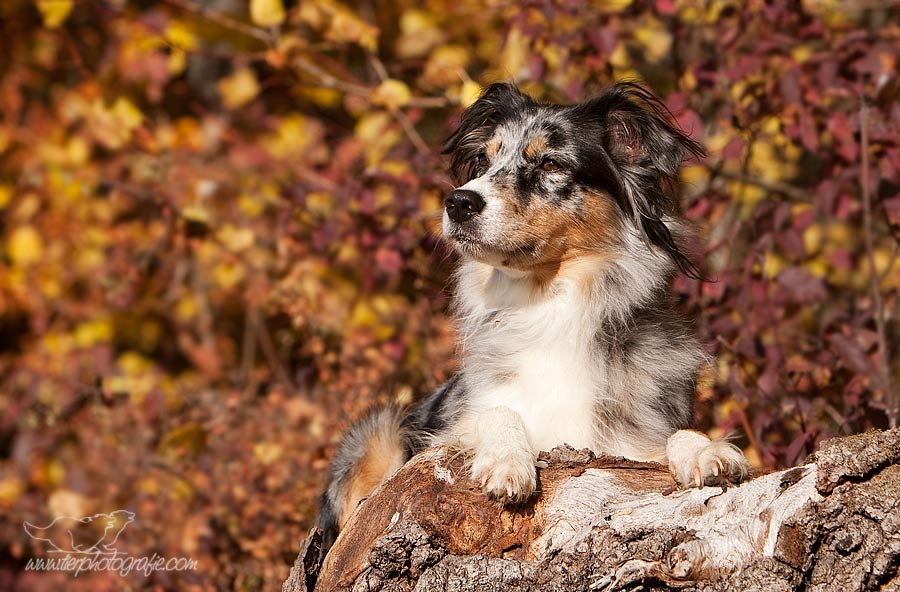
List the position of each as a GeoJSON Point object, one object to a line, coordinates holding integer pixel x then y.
{"type": "Point", "coordinates": [219, 238]}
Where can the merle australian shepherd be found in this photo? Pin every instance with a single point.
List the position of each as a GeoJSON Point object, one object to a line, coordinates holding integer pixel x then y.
{"type": "Point", "coordinates": [568, 228]}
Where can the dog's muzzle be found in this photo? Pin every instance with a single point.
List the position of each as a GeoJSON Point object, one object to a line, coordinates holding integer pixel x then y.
{"type": "Point", "coordinates": [463, 204]}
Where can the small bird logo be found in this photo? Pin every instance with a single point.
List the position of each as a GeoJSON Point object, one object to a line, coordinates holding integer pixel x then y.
{"type": "Point", "coordinates": [94, 535]}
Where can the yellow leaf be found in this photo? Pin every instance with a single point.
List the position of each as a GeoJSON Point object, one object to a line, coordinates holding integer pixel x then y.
{"type": "Point", "coordinates": [127, 113]}
{"type": "Point", "coordinates": [249, 206]}
{"type": "Point", "coordinates": [181, 35]}
{"type": "Point", "coordinates": [25, 246]}
{"type": "Point", "coordinates": [267, 452]}
{"type": "Point", "coordinates": [469, 93]}
{"type": "Point", "coordinates": [181, 39]}
{"type": "Point", "coordinates": [77, 151]}
{"type": "Point", "coordinates": [372, 126]}
{"type": "Point", "coordinates": [346, 27]}
{"type": "Point", "coordinates": [54, 12]}
{"type": "Point", "coordinates": [238, 89]}
{"type": "Point", "coordinates": [655, 39]}
{"type": "Point", "coordinates": [446, 64]}
{"type": "Point", "coordinates": [10, 490]}
{"type": "Point", "coordinates": [6, 195]}
{"type": "Point", "coordinates": [772, 265]}
{"type": "Point", "coordinates": [378, 135]}
{"type": "Point", "coordinates": [91, 333]}
{"type": "Point", "coordinates": [236, 239]}
{"type": "Point", "coordinates": [609, 6]}
{"type": "Point", "coordinates": [5, 139]}
{"type": "Point", "coordinates": [419, 34]}
{"type": "Point", "coordinates": [392, 94]}
{"type": "Point", "coordinates": [227, 275]}
{"type": "Point", "coordinates": [190, 437]}
{"type": "Point", "coordinates": [515, 53]}
{"type": "Point", "coordinates": [64, 502]}
{"type": "Point", "coordinates": [186, 308]}
{"type": "Point", "coordinates": [319, 203]}
{"type": "Point", "coordinates": [619, 57]}
{"type": "Point", "coordinates": [267, 13]}
{"type": "Point", "coordinates": [296, 134]}
{"type": "Point", "coordinates": [812, 238]}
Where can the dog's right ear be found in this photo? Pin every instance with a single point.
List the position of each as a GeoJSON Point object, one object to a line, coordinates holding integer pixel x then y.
{"type": "Point", "coordinates": [497, 103]}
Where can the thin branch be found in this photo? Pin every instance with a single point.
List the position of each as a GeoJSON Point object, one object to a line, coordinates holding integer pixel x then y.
{"type": "Point", "coordinates": [166, 468]}
{"type": "Point", "coordinates": [329, 80]}
{"type": "Point", "coordinates": [379, 67]}
{"type": "Point", "coordinates": [223, 20]}
{"type": "Point", "coordinates": [408, 127]}
{"type": "Point", "coordinates": [248, 348]}
{"type": "Point", "coordinates": [777, 187]}
{"type": "Point", "coordinates": [892, 402]}
{"type": "Point", "coordinates": [268, 348]}
{"type": "Point", "coordinates": [324, 78]}
{"type": "Point", "coordinates": [411, 132]}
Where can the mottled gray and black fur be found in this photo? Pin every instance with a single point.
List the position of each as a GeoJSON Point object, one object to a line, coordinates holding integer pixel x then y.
{"type": "Point", "coordinates": [569, 231]}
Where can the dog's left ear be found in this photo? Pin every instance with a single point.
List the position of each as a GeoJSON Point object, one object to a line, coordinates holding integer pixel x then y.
{"type": "Point", "coordinates": [640, 131]}
{"type": "Point", "coordinates": [646, 149]}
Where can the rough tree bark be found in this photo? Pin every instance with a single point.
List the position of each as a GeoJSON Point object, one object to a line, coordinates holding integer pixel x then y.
{"type": "Point", "coordinates": [612, 524]}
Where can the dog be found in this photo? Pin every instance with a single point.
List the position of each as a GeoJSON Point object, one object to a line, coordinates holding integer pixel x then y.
{"type": "Point", "coordinates": [568, 228]}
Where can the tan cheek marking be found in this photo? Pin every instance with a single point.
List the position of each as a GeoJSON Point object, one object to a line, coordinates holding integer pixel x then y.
{"type": "Point", "coordinates": [547, 225]}
{"type": "Point", "coordinates": [572, 246]}
{"type": "Point", "coordinates": [384, 457]}
{"type": "Point", "coordinates": [599, 230]}
{"type": "Point", "coordinates": [594, 241]}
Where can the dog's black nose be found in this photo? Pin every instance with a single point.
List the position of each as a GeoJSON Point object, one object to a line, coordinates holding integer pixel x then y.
{"type": "Point", "coordinates": [462, 204]}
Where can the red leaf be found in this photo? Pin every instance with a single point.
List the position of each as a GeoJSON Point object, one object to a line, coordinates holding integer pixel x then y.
{"type": "Point", "coordinates": [802, 285]}
{"type": "Point", "coordinates": [733, 149]}
{"type": "Point", "coordinates": [665, 7]}
{"type": "Point", "coordinates": [892, 209]}
{"type": "Point", "coordinates": [791, 241]}
{"type": "Point", "coordinates": [852, 354]}
{"type": "Point", "coordinates": [809, 135]}
{"type": "Point", "coordinates": [388, 260]}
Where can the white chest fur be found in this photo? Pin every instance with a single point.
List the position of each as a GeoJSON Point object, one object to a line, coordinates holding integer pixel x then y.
{"type": "Point", "coordinates": [532, 354]}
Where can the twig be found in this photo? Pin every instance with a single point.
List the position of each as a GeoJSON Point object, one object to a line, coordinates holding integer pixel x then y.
{"type": "Point", "coordinates": [742, 413]}
{"type": "Point", "coordinates": [248, 348]}
{"type": "Point", "coordinates": [892, 404]}
{"type": "Point", "coordinates": [162, 466]}
{"type": "Point", "coordinates": [409, 129]}
{"type": "Point", "coordinates": [321, 76]}
{"type": "Point", "coordinates": [411, 132]}
{"type": "Point", "coordinates": [268, 348]}
{"type": "Point", "coordinates": [778, 187]}
{"type": "Point", "coordinates": [223, 20]}
{"type": "Point", "coordinates": [75, 54]}
{"type": "Point", "coordinates": [329, 80]}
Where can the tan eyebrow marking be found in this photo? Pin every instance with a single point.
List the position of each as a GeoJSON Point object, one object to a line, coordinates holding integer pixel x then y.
{"type": "Point", "coordinates": [493, 147]}
{"type": "Point", "coordinates": [536, 147]}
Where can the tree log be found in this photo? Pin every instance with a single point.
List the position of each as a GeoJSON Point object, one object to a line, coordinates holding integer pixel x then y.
{"type": "Point", "coordinates": [603, 524]}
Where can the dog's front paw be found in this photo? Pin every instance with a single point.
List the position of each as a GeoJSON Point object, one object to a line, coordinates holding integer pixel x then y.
{"type": "Point", "coordinates": [695, 460]}
{"type": "Point", "coordinates": [507, 475]}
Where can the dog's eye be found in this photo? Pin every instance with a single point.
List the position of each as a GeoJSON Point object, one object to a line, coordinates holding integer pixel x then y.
{"type": "Point", "coordinates": [549, 165]}
{"type": "Point", "coordinates": [481, 161]}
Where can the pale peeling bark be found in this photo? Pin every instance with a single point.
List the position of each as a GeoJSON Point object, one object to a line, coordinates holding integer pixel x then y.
{"type": "Point", "coordinates": [611, 524]}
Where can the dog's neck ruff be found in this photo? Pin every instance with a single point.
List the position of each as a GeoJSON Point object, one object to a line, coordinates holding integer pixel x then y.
{"type": "Point", "coordinates": [537, 348]}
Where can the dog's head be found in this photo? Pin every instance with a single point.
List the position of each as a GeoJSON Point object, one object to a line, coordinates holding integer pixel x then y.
{"type": "Point", "coordinates": [540, 184]}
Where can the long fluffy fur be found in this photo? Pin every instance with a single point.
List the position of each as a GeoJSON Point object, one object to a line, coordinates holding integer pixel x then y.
{"type": "Point", "coordinates": [567, 327]}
